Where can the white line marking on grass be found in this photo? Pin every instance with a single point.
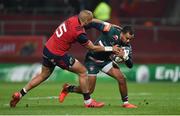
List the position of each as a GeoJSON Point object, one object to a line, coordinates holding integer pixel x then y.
{"type": "Point", "coordinates": [38, 98]}
{"type": "Point", "coordinates": [56, 97]}
{"type": "Point", "coordinates": [6, 104]}
{"type": "Point", "coordinates": [143, 93]}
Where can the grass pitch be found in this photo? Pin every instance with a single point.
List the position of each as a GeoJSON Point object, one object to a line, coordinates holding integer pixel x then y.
{"type": "Point", "coordinates": [160, 98]}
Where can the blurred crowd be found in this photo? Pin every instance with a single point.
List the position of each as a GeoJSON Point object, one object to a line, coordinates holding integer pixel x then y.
{"type": "Point", "coordinates": [113, 9]}
{"type": "Point", "coordinates": [157, 22]}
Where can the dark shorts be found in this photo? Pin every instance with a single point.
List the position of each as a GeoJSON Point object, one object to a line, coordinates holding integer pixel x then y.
{"type": "Point", "coordinates": [51, 60]}
{"type": "Point", "coordinates": [94, 67]}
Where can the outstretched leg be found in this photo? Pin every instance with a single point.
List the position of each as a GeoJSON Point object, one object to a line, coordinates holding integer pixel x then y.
{"type": "Point", "coordinates": [45, 73]}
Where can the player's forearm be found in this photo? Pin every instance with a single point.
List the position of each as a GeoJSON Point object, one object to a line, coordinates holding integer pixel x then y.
{"type": "Point", "coordinates": [116, 26]}
{"type": "Point", "coordinates": [105, 24]}
{"type": "Point", "coordinates": [100, 25]}
{"type": "Point", "coordinates": [97, 48]}
{"type": "Point", "coordinates": [101, 49]}
{"type": "Point", "coordinates": [97, 21]}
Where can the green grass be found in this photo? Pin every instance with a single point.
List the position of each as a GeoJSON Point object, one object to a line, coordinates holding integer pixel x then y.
{"type": "Point", "coordinates": [152, 99]}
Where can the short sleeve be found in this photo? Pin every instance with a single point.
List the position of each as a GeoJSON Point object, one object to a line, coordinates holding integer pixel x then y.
{"type": "Point", "coordinates": [82, 39]}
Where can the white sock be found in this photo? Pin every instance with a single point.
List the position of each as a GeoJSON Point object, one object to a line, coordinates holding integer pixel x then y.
{"type": "Point", "coordinates": [126, 102]}
{"type": "Point", "coordinates": [24, 90]}
{"type": "Point", "coordinates": [87, 102]}
{"type": "Point", "coordinates": [20, 95]}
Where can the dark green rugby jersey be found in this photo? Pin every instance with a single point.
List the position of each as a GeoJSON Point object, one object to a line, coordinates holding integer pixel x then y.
{"type": "Point", "coordinates": [110, 38]}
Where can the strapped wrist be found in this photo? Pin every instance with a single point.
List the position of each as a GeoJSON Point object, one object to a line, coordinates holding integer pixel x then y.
{"type": "Point", "coordinates": [108, 49]}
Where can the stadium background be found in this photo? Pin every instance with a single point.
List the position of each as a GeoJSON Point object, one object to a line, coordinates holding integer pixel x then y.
{"type": "Point", "coordinates": [25, 25]}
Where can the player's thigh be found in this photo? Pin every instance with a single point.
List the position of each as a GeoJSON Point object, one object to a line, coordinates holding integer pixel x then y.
{"type": "Point", "coordinates": [46, 71]}
{"type": "Point", "coordinates": [106, 66]}
{"type": "Point", "coordinates": [47, 67]}
{"type": "Point", "coordinates": [93, 69]}
{"type": "Point", "coordinates": [77, 67]}
{"type": "Point", "coordinates": [115, 72]}
{"type": "Point", "coordinates": [112, 70]}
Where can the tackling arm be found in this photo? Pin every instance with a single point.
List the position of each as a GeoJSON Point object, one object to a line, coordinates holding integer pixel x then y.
{"type": "Point", "coordinates": [97, 48]}
{"type": "Point", "coordinates": [83, 40]}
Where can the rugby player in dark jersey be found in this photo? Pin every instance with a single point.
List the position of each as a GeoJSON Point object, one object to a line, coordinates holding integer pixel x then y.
{"type": "Point", "coordinates": [106, 62]}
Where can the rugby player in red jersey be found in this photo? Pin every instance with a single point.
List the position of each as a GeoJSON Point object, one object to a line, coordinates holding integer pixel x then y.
{"type": "Point", "coordinates": [55, 53]}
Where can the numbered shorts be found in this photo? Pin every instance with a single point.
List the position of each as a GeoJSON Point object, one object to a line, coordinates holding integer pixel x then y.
{"type": "Point", "coordinates": [50, 60]}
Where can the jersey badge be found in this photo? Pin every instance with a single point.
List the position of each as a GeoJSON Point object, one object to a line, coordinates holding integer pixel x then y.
{"type": "Point", "coordinates": [115, 37]}
{"type": "Point", "coordinates": [91, 68]}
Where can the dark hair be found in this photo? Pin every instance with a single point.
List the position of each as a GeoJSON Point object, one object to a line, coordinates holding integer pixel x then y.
{"type": "Point", "coordinates": [127, 29]}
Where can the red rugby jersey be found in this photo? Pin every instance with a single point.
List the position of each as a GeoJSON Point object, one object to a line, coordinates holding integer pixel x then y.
{"type": "Point", "coordinates": [66, 34]}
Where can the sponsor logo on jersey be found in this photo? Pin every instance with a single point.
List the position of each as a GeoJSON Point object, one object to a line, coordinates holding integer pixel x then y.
{"type": "Point", "coordinates": [115, 37]}
{"type": "Point", "coordinates": [91, 68]}
{"type": "Point", "coordinates": [71, 61]}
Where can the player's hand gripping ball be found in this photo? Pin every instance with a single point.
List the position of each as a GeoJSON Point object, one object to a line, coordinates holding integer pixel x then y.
{"type": "Point", "coordinates": [118, 59]}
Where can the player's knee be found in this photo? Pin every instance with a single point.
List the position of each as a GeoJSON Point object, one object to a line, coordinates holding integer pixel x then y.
{"type": "Point", "coordinates": [121, 79]}
{"type": "Point", "coordinates": [83, 72]}
{"type": "Point", "coordinates": [45, 75]}
{"type": "Point", "coordinates": [46, 72]}
{"type": "Point", "coordinates": [83, 75]}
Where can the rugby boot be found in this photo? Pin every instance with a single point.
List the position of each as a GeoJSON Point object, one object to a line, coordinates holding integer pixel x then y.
{"type": "Point", "coordinates": [15, 99]}
{"type": "Point", "coordinates": [64, 92]}
{"type": "Point", "coordinates": [128, 105]}
{"type": "Point", "coordinates": [94, 104]}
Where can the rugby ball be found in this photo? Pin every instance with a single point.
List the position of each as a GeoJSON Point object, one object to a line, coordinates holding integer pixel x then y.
{"type": "Point", "coordinates": [116, 58]}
